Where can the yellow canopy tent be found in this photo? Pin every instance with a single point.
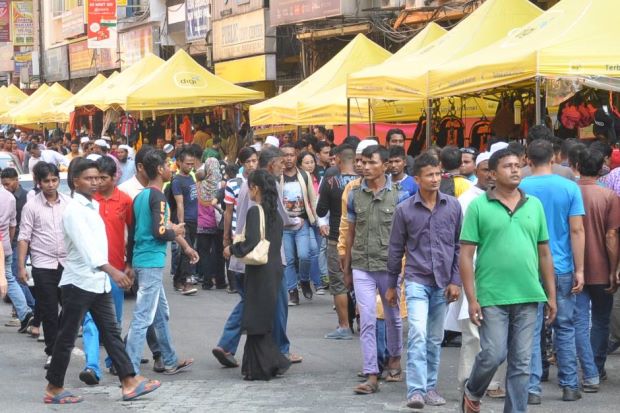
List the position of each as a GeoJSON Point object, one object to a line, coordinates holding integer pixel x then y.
{"type": "Point", "coordinates": [574, 39]}
{"type": "Point", "coordinates": [113, 92]}
{"type": "Point", "coordinates": [62, 112]}
{"type": "Point", "coordinates": [32, 112]}
{"type": "Point", "coordinates": [95, 94]}
{"type": "Point", "coordinates": [10, 97]}
{"type": "Point", "coordinates": [407, 79]}
{"type": "Point", "coordinates": [181, 83]}
{"type": "Point", "coordinates": [282, 109]}
{"type": "Point", "coordinates": [330, 106]}
{"type": "Point", "coordinates": [7, 117]}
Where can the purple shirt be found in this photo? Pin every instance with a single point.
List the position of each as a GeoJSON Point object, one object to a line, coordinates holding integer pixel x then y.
{"type": "Point", "coordinates": [428, 239]}
{"type": "Point", "coordinates": [612, 180]}
{"type": "Point", "coordinates": [8, 218]}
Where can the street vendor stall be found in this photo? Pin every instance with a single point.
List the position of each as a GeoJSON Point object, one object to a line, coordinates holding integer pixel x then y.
{"type": "Point", "coordinates": [62, 112]}
{"type": "Point", "coordinates": [10, 97]}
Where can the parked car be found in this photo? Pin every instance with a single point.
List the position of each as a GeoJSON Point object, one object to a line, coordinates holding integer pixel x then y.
{"type": "Point", "coordinates": [27, 182]}
{"type": "Point", "coordinates": [9, 160]}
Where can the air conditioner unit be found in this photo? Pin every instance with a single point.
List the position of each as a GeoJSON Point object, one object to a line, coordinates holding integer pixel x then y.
{"type": "Point", "coordinates": [390, 4]}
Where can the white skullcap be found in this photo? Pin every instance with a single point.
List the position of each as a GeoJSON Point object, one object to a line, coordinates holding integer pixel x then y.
{"type": "Point", "coordinates": [125, 147]}
{"type": "Point", "coordinates": [168, 148]}
{"type": "Point", "coordinates": [84, 139]}
{"type": "Point", "coordinates": [365, 144]}
{"type": "Point", "coordinates": [498, 146]}
{"type": "Point", "coordinates": [257, 146]}
{"type": "Point", "coordinates": [102, 143]}
{"type": "Point", "coordinates": [17, 131]}
{"type": "Point", "coordinates": [106, 138]}
{"type": "Point", "coordinates": [484, 156]}
{"type": "Point", "coordinates": [93, 156]}
{"type": "Point", "coordinates": [273, 141]}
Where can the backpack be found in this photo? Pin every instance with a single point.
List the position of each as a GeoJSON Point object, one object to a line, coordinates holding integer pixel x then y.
{"type": "Point", "coordinates": [172, 203]}
{"type": "Point", "coordinates": [479, 134]}
{"type": "Point", "coordinates": [447, 185]}
{"type": "Point", "coordinates": [451, 132]}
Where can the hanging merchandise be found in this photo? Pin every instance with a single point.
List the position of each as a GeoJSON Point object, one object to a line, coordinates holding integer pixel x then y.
{"type": "Point", "coordinates": [418, 140]}
{"type": "Point", "coordinates": [479, 134]}
{"type": "Point", "coordinates": [186, 130]}
{"type": "Point", "coordinates": [451, 129]}
{"type": "Point", "coordinates": [169, 128]}
{"type": "Point", "coordinates": [503, 125]}
{"type": "Point", "coordinates": [577, 112]}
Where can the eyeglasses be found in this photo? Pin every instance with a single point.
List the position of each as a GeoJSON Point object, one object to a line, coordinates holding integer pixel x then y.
{"type": "Point", "coordinates": [470, 151]}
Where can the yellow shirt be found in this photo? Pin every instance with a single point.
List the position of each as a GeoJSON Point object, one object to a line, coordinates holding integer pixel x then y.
{"type": "Point", "coordinates": [461, 185]}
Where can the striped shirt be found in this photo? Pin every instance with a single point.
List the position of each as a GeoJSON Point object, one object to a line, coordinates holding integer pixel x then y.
{"type": "Point", "coordinates": [8, 218]}
{"type": "Point", "coordinates": [231, 197]}
{"type": "Point", "coordinates": [41, 226]}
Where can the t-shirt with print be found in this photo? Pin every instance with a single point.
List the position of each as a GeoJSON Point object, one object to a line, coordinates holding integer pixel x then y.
{"type": "Point", "coordinates": [293, 198]}
{"type": "Point", "coordinates": [231, 196]}
{"type": "Point", "coordinates": [186, 186]}
{"type": "Point", "coordinates": [488, 224]}
{"type": "Point", "coordinates": [561, 199]}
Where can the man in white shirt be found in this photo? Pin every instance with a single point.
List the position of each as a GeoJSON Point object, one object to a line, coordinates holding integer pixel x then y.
{"type": "Point", "coordinates": [37, 154]}
{"type": "Point", "coordinates": [85, 286]}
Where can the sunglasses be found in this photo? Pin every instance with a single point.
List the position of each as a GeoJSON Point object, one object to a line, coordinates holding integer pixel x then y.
{"type": "Point", "coordinates": [470, 151]}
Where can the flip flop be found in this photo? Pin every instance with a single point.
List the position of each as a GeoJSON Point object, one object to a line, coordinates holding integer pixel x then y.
{"type": "Point", "coordinates": [65, 397]}
{"type": "Point", "coordinates": [295, 358]}
{"type": "Point", "coordinates": [144, 387]}
{"type": "Point", "coordinates": [366, 388]}
{"type": "Point", "coordinates": [468, 406]}
{"type": "Point", "coordinates": [225, 359]}
{"type": "Point", "coordinates": [394, 376]}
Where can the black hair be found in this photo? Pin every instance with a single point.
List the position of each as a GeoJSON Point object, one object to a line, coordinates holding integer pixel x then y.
{"type": "Point", "coordinates": [9, 173]}
{"type": "Point", "coordinates": [106, 165]}
{"type": "Point", "coordinates": [301, 157]}
{"type": "Point", "coordinates": [322, 129]}
{"type": "Point", "coordinates": [76, 168]}
{"type": "Point", "coordinates": [566, 146]}
{"type": "Point", "coordinates": [602, 147]}
{"type": "Point", "coordinates": [423, 160]}
{"type": "Point", "coordinates": [216, 140]}
{"type": "Point", "coordinates": [394, 131]}
{"type": "Point", "coordinates": [397, 152]}
{"type": "Point", "coordinates": [557, 144]}
{"type": "Point", "coordinates": [517, 147]}
{"type": "Point", "coordinates": [590, 161]}
{"type": "Point", "coordinates": [43, 169]}
{"type": "Point", "coordinates": [269, 192]}
{"type": "Point", "coordinates": [320, 145]}
{"type": "Point", "coordinates": [32, 146]}
{"type": "Point", "coordinates": [75, 142]}
{"type": "Point", "coordinates": [184, 152]}
{"type": "Point", "coordinates": [294, 146]}
{"type": "Point", "coordinates": [498, 156]}
{"type": "Point", "coordinates": [139, 159]}
{"type": "Point", "coordinates": [574, 153]}
{"type": "Point", "coordinates": [540, 152]}
{"type": "Point", "coordinates": [152, 161]}
{"type": "Point", "coordinates": [352, 141]}
{"type": "Point", "coordinates": [195, 150]}
{"type": "Point", "coordinates": [539, 132]}
{"type": "Point", "coordinates": [451, 158]}
{"type": "Point", "coordinates": [376, 149]}
{"type": "Point", "coordinates": [267, 155]}
{"type": "Point", "coordinates": [246, 153]}
{"type": "Point", "coordinates": [231, 170]}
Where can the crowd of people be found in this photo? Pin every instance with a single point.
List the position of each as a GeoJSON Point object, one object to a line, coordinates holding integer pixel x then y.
{"type": "Point", "coordinates": [515, 247]}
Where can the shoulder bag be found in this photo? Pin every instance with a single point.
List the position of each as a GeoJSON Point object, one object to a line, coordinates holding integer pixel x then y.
{"type": "Point", "coordinates": [260, 254]}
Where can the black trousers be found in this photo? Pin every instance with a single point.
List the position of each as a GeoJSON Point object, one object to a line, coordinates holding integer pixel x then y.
{"type": "Point", "coordinates": [184, 269]}
{"type": "Point", "coordinates": [211, 265]}
{"type": "Point", "coordinates": [47, 300]}
{"type": "Point", "coordinates": [101, 306]}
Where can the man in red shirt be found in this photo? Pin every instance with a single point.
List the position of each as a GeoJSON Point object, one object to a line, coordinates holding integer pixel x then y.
{"type": "Point", "coordinates": [115, 210]}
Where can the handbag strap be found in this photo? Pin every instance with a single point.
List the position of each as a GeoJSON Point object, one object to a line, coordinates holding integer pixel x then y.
{"type": "Point", "coordinates": [262, 222]}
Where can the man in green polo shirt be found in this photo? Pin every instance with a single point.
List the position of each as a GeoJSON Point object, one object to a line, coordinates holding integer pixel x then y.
{"type": "Point", "coordinates": [508, 231]}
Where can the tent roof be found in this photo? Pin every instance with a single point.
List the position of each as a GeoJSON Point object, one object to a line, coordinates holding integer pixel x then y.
{"type": "Point", "coordinates": [93, 95]}
{"type": "Point", "coordinates": [7, 117]}
{"type": "Point", "coordinates": [10, 97]}
{"type": "Point", "coordinates": [32, 112]}
{"type": "Point", "coordinates": [182, 83]}
{"type": "Point", "coordinates": [573, 39]}
{"type": "Point", "coordinates": [62, 112]}
{"type": "Point", "coordinates": [407, 78]}
{"type": "Point", "coordinates": [282, 109]}
{"type": "Point", "coordinates": [330, 106]}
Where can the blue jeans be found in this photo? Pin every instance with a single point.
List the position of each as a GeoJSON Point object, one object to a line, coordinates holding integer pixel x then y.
{"type": "Point", "coordinates": [383, 355]}
{"type": "Point", "coordinates": [279, 324]}
{"type": "Point", "coordinates": [592, 340]}
{"type": "Point", "coordinates": [299, 246]}
{"type": "Point", "coordinates": [27, 294]}
{"type": "Point", "coordinates": [564, 338]}
{"type": "Point", "coordinates": [15, 292]}
{"type": "Point", "coordinates": [151, 308]}
{"type": "Point", "coordinates": [319, 263]}
{"type": "Point", "coordinates": [506, 331]}
{"type": "Point", "coordinates": [229, 341]}
{"type": "Point", "coordinates": [426, 309]}
{"type": "Point", "coordinates": [90, 334]}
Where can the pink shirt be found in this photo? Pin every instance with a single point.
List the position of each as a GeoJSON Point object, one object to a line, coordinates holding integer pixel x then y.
{"type": "Point", "coordinates": [41, 226]}
{"type": "Point", "coordinates": [8, 218]}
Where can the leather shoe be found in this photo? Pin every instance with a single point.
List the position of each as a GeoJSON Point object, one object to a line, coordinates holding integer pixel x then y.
{"type": "Point", "coordinates": [533, 399]}
{"type": "Point", "coordinates": [158, 365]}
{"type": "Point", "coordinates": [570, 395]}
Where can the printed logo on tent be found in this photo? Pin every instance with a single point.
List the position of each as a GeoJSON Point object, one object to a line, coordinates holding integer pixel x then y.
{"type": "Point", "coordinates": [515, 35]}
{"type": "Point", "coordinates": [189, 80]}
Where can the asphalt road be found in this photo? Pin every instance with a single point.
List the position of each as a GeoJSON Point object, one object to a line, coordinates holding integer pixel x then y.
{"type": "Point", "coordinates": [322, 383]}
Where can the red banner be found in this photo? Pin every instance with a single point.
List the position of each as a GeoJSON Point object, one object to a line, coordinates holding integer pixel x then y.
{"type": "Point", "coordinates": [5, 22]}
{"type": "Point", "coordinates": [102, 30]}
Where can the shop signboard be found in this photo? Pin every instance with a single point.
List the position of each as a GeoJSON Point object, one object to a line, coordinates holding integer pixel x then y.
{"type": "Point", "coordinates": [5, 21]}
{"type": "Point", "coordinates": [56, 67]}
{"type": "Point", "coordinates": [73, 22]}
{"type": "Point", "coordinates": [81, 59]}
{"type": "Point", "coordinates": [23, 62]}
{"type": "Point", "coordinates": [222, 9]}
{"type": "Point", "coordinates": [102, 24]}
{"type": "Point", "coordinates": [22, 23]}
{"type": "Point", "coordinates": [295, 11]}
{"type": "Point", "coordinates": [107, 59]}
{"type": "Point", "coordinates": [248, 69]}
{"type": "Point", "coordinates": [6, 58]}
{"type": "Point", "coordinates": [197, 20]}
{"type": "Point", "coordinates": [134, 44]}
{"type": "Point", "coordinates": [244, 35]}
